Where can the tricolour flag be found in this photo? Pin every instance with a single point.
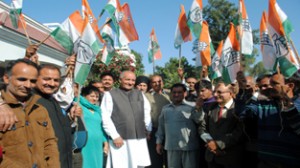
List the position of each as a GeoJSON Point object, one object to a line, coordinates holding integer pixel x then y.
{"type": "Point", "coordinates": [86, 48]}
{"type": "Point", "coordinates": [286, 24]}
{"type": "Point", "coordinates": [266, 45]}
{"type": "Point", "coordinates": [182, 33]}
{"type": "Point", "coordinates": [108, 37]}
{"type": "Point", "coordinates": [287, 63]}
{"type": "Point", "coordinates": [16, 16]}
{"type": "Point", "coordinates": [230, 56]}
{"type": "Point", "coordinates": [128, 32]}
{"type": "Point", "coordinates": [87, 12]}
{"type": "Point", "coordinates": [195, 17]}
{"type": "Point", "coordinates": [216, 65]}
{"type": "Point", "coordinates": [106, 55]}
{"type": "Point", "coordinates": [69, 31]}
{"type": "Point", "coordinates": [113, 7]}
{"type": "Point", "coordinates": [205, 47]}
{"type": "Point", "coordinates": [246, 31]}
{"type": "Point", "coordinates": [154, 52]}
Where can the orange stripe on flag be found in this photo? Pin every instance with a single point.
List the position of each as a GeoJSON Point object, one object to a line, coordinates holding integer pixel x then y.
{"type": "Point", "coordinates": [232, 36]}
{"type": "Point", "coordinates": [204, 37]}
{"type": "Point", "coordinates": [243, 9]}
{"type": "Point", "coordinates": [274, 19]}
{"type": "Point", "coordinates": [183, 27]}
{"type": "Point", "coordinates": [77, 21]}
{"type": "Point", "coordinates": [200, 3]}
{"type": "Point", "coordinates": [127, 24]}
{"type": "Point", "coordinates": [219, 50]}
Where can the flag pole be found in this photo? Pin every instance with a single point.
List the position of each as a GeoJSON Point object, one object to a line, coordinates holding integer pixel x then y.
{"type": "Point", "coordinates": [44, 40]}
{"type": "Point", "coordinates": [180, 56]}
{"type": "Point", "coordinates": [239, 30]}
{"type": "Point", "coordinates": [25, 31]}
{"type": "Point", "coordinates": [296, 52]}
{"type": "Point", "coordinates": [107, 20]}
{"type": "Point", "coordinates": [153, 64]}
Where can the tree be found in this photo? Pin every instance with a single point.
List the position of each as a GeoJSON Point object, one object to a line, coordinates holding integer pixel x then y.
{"type": "Point", "coordinates": [169, 71]}
{"type": "Point", "coordinates": [218, 14]}
{"type": "Point", "coordinates": [119, 63]}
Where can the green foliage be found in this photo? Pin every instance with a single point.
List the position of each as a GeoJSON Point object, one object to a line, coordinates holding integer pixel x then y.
{"type": "Point", "coordinates": [258, 69]}
{"type": "Point", "coordinates": [219, 14]}
{"type": "Point", "coordinates": [169, 71]}
{"type": "Point", "coordinates": [118, 64]}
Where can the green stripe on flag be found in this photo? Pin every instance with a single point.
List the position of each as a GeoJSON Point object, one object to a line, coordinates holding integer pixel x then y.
{"type": "Point", "coordinates": [287, 69]}
{"type": "Point", "coordinates": [63, 39]}
{"type": "Point", "coordinates": [82, 73]}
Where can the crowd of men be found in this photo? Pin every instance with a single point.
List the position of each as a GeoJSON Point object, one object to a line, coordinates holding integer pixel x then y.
{"type": "Point", "coordinates": [194, 124]}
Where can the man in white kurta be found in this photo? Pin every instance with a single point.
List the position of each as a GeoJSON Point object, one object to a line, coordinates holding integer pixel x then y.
{"type": "Point", "coordinates": [126, 120]}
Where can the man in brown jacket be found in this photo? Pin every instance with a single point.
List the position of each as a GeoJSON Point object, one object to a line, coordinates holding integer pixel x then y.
{"type": "Point", "coordinates": [31, 141]}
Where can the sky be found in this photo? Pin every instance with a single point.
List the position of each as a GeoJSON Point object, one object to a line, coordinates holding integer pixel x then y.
{"type": "Point", "coordinates": [162, 15]}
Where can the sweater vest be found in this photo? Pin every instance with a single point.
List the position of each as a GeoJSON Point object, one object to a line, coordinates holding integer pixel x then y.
{"type": "Point", "coordinates": [128, 113]}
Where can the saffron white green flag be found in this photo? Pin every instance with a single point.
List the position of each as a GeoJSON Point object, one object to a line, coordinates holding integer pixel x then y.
{"type": "Point", "coordinates": [195, 17]}
{"type": "Point", "coordinates": [87, 12]}
{"type": "Point", "coordinates": [69, 31]}
{"type": "Point", "coordinates": [182, 33]}
{"type": "Point", "coordinates": [86, 48]}
{"type": "Point", "coordinates": [286, 24]}
{"type": "Point", "coordinates": [108, 36]}
{"type": "Point", "coordinates": [205, 47]}
{"type": "Point", "coordinates": [266, 45]}
{"type": "Point", "coordinates": [106, 56]}
{"type": "Point", "coordinates": [231, 56]}
{"type": "Point", "coordinates": [154, 52]}
{"type": "Point", "coordinates": [127, 30]}
{"type": "Point", "coordinates": [216, 65]}
{"type": "Point", "coordinates": [287, 63]}
{"type": "Point", "coordinates": [245, 31]}
{"type": "Point", "coordinates": [16, 15]}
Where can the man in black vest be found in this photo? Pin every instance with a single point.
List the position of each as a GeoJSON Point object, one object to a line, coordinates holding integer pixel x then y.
{"type": "Point", "coordinates": [47, 84]}
{"type": "Point", "coordinates": [126, 118]}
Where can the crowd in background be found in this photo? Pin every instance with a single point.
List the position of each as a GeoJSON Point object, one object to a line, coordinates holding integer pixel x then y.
{"type": "Point", "coordinates": [47, 121]}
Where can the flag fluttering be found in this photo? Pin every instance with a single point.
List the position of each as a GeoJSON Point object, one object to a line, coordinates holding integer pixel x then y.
{"type": "Point", "coordinates": [123, 22]}
{"type": "Point", "coordinates": [245, 31]}
{"type": "Point", "coordinates": [287, 63]}
{"type": "Point", "coordinates": [182, 33]}
{"type": "Point", "coordinates": [87, 13]}
{"type": "Point", "coordinates": [154, 52]}
{"type": "Point", "coordinates": [16, 16]}
{"type": "Point", "coordinates": [108, 36]}
{"type": "Point", "coordinates": [86, 49]}
{"type": "Point", "coordinates": [216, 65]}
{"type": "Point", "coordinates": [286, 24]}
{"type": "Point", "coordinates": [128, 32]}
{"type": "Point", "coordinates": [195, 17]}
{"type": "Point", "coordinates": [230, 56]}
{"type": "Point", "coordinates": [205, 47]}
{"type": "Point", "coordinates": [266, 45]}
{"type": "Point", "coordinates": [69, 31]}
{"type": "Point", "coordinates": [106, 56]}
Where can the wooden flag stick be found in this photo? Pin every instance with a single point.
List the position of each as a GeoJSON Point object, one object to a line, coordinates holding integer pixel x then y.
{"type": "Point", "coordinates": [179, 57]}
{"type": "Point", "coordinates": [44, 40]}
{"type": "Point", "coordinates": [24, 28]}
{"type": "Point", "coordinates": [295, 50]}
{"type": "Point", "coordinates": [107, 20]}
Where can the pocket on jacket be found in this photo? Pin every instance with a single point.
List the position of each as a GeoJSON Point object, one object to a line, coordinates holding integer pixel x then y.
{"type": "Point", "coordinates": [14, 136]}
{"type": "Point", "coordinates": [42, 126]}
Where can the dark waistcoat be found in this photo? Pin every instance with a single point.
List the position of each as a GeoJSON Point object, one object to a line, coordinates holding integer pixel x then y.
{"type": "Point", "coordinates": [128, 113]}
